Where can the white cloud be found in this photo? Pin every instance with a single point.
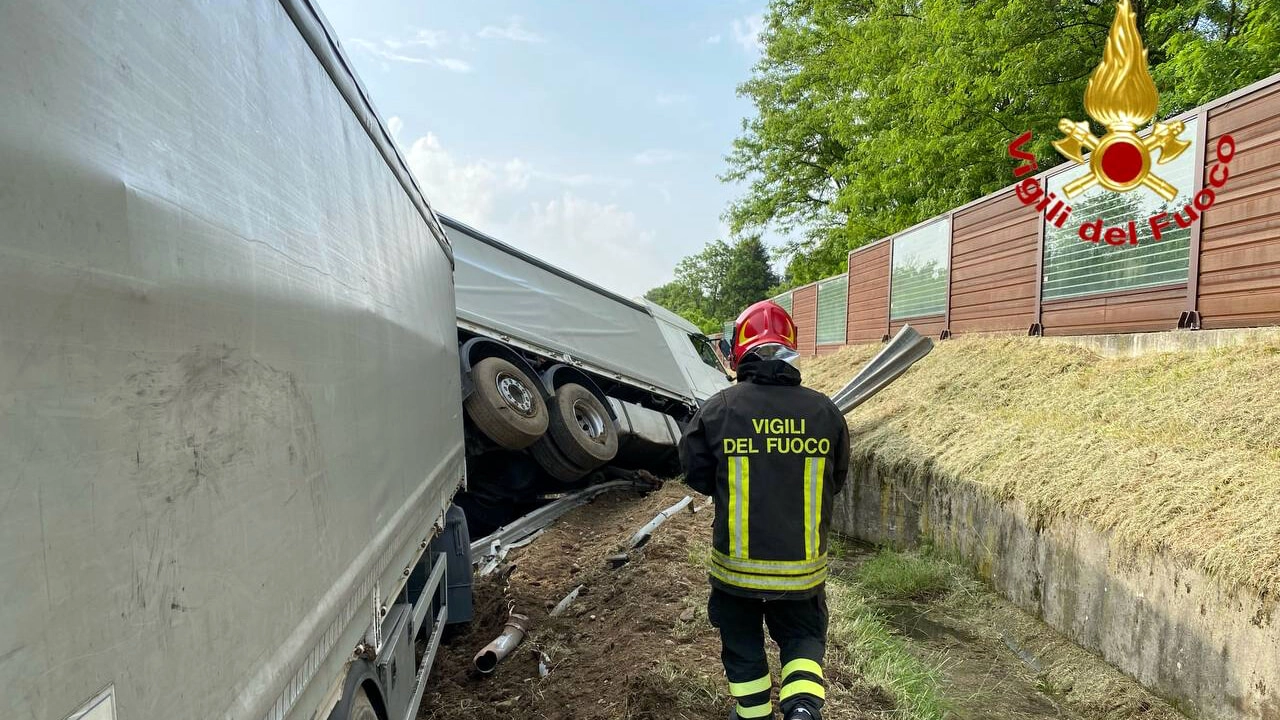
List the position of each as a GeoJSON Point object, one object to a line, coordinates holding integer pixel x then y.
{"type": "Point", "coordinates": [746, 32]}
{"type": "Point", "coordinates": [599, 241]}
{"type": "Point", "coordinates": [654, 156]}
{"type": "Point", "coordinates": [714, 39]}
{"type": "Point", "coordinates": [663, 190]}
{"type": "Point", "coordinates": [671, 98]}
{"type": "Point", "coordinates": [513, 31]}
{"type": "Point", "coordinates": [421, 38]}
{"type": "Point", "coordinates": [454, 64]}
{"type": "Point", "coordinates": [518, 173]}
{"type": "Point", "coordinates": [466, 190]}
{"type": "Point", "coordinates": [396, 51]}
{"type": "Point", "coordinates": [542, 213]}
{"type": "Point", "coordinates": [394, 126]}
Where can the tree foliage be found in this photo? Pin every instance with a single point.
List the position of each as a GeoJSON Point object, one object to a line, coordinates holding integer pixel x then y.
{"type": "Point", "coordinates": [873, 115]}
{"type": "Point", "coordinates": [711, 287]}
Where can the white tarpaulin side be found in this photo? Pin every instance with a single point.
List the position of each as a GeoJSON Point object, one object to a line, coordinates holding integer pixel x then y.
{"type": "Point", "coordinates": [228, 363]}
{"type": "Point", "coordinates": [680, 334]}
{"type": "Point", "coordinates": [509, 292]}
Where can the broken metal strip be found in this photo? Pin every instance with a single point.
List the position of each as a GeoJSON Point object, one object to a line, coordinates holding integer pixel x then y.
{"type": "Point", "coordinates": [643, 534]}
{"type": "Point", "coordinates": [539, 519]}
{"type": "Point", "coordinates": [566, 602]}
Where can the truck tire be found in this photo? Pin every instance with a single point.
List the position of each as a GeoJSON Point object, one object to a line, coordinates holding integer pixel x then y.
{"type": "Point", "coordinates": [506, 405]}
{"type": "Point", "coordinates": [555, 463]}
{"type": "Point", "coordinates": [362, 707]}
{"type": "Point", "coordinates": [581, 427]}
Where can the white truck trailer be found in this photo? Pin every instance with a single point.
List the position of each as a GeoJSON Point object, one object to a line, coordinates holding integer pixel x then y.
{"type": "Point", "coordinates": [230, 431]}
{"type": "Point", "coordinates": [562, 378]}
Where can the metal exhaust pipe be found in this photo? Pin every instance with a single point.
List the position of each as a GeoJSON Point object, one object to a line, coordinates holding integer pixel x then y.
{"type": "Point", "coordinates": [486, 661]}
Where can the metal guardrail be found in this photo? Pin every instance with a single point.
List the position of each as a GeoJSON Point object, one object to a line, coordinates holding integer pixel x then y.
{"type": "Point", "coordinates": [493, 548]}
{"type": "Point", "coordinates": [903, 351]}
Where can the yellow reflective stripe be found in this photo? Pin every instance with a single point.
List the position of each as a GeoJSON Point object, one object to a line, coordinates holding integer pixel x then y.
{"type": "Point", "coordinates": [768, 582]}
{"type": "Point", "coordinates": [755, 711]}
{"type": "Point", "coordinates": [735, 488]}
{"type": "Point", "coordinates": [739, 506]}
{"type": "Point", "coordinates": [746, 507]}
{"type": "Point", "coordinates": [814, 469]}
{"type": "Point", "coordinates": [769, 567]}
{"type": "Point", "coordinates": [808, 507]}
{"type": "Point", "coordinates": [751, 687]}
{"type": "Point", "coordinates": [801, 665]}
{"type": "Point", "coordinates": [802, 687]}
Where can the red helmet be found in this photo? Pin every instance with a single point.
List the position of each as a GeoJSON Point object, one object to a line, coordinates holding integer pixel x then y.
{"type": "Point", "coordinates": [764, 323]}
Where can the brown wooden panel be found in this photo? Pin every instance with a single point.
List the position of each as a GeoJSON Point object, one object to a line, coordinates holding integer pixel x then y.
{"type": "Point", "coordinates": [1005, 228]}
{"type": "Point", "coordinates": [868, 294]}
{"type": "Point", "coordinates": [1245, 112]}
{"type": "Point", "coordinates": [1124, 312]}
{"type": "Point", "coordinates": [1244, 233]}
{"type": "Point", "coordinates": [995, 292]}
{"type": "Point", "coordinates": [828, 349]}
{"type": "Point", "coordinates": [982, 213]}
{"type": "Point", "coordinates": [1240, 245]}
{"type": "Point", "coordinates": [928, 326]}
{"type": "Point", "coordinates": [993, 267]}
{"type": "Point", "coordinates": [804, 310]}
{"type": "Point", "coordinates": [1000, 264]}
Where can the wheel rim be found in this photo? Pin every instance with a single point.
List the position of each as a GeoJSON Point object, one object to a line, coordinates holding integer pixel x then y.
{"type": "Point", "coordinates": [589, 419]}
{"type": "Point", "coordinates": [515, 394]}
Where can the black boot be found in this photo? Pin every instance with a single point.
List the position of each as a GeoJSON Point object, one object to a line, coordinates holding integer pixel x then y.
{"type": "Point", "coordinates": [804, 713]}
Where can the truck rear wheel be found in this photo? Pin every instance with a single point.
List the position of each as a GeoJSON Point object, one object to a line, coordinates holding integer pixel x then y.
{"type": "Point", "coordinates": [362, 707]}
{"type": "Point", "coordinates": [555, 463]}
{"type": "Point", "coordinates": [581, 427]}
{"type": "Point", "coordinates": [506, 405]}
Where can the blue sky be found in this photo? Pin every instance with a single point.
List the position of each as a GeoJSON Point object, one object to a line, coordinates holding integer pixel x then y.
{"type": "Point", "coordinates": [588, 133]}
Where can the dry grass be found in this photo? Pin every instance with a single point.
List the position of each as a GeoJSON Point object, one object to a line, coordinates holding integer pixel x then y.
{"type": "Point", "coordinates": [1178, 452]}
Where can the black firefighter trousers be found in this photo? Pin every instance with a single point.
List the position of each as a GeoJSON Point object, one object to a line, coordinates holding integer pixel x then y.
{"type": "Point", "coordinates": [799, 627]}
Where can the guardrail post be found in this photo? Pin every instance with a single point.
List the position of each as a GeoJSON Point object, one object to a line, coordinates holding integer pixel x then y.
{"type": "Point", "coordinates": [1037, 326]}
{"type": "Point", "coordinates": [951, 257]}
{"type": "Point", "coordinates": [1190, 319]}
{"type": "Point", "coordinates": [888, 298]}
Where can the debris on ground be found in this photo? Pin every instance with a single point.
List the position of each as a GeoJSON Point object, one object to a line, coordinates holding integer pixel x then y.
{"type": "Point", "coordinates": [911, 638]}
{"type": "Point", "coordinates": [634, 645]}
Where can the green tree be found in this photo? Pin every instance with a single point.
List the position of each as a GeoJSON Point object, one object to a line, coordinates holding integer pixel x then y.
{"type": "Point", "coordinates": [872, 115]}
{"type": "Point", "coordinates": [749, 276]}
{"type": "Point", "coordinates": [712, 286]}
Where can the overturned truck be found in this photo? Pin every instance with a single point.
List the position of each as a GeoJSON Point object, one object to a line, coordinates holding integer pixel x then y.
{"type": "Point", "coordinates": [563, 381]}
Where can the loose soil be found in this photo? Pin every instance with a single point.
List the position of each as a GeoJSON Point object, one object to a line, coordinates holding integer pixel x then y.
{"type": "Point", "coordinates": [636, 645]}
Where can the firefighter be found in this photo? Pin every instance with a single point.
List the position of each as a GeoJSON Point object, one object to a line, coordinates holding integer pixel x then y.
{"type": "Point", "coordinates": [773, 455]}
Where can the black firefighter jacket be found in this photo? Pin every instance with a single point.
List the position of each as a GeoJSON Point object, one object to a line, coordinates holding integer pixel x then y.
{"type": "Point", "coordinates": [773, 455]}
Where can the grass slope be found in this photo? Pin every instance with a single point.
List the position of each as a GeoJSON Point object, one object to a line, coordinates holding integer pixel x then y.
{"type": "Point", "coordinates": [1177, 452]}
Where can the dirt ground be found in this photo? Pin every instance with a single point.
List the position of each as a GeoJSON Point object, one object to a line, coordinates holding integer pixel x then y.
{"type": "Point", "coordinates": [636, 645]}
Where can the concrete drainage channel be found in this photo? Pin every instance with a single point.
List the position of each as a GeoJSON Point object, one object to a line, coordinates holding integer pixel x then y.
{"type": "Point", "coordinates": [1212, 652]}
{"type": "Point", "coordinates": [989, 660]}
